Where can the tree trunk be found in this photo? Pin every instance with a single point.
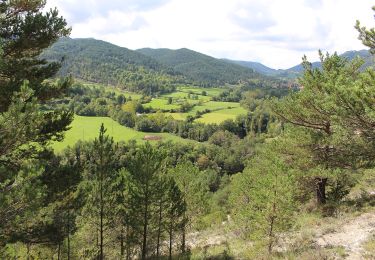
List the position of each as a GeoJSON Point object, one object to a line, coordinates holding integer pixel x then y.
{"type": "Point", "coordinates": [122, 249]}
{"type": "Point", "coordinates": [28, 251]}
{"type": "Point", "coordinates": [101, 257]}
{"type": "Point", "coordinates": [272, 221]}
{"type": "Point", "coordinates": [183, 242]}
{"type": "Point", "coordinates": [321, 190]}
{"type": "Point", "coordinates": [68, 235]}
{"type": "Point", "coordinates": [145, 226]}
{"type": "Point", "coordinates": [159, 229]}
{"type": "Point", "coordinates": [128, 256]}
{"type": "Point", "coordinates": [170, 239]}
{"type": "Point", "coordinates": [58, 251]}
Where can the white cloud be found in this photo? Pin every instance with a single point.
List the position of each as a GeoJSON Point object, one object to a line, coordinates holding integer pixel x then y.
{"type": "Point", "coordinates": [276, 33]}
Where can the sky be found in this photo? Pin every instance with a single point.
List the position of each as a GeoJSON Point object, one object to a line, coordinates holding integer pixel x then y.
{"type": "Point", "coordinates": [276, 33]}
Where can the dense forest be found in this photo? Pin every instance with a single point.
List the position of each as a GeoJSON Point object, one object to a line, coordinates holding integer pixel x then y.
{"type": "Point", "coordinates": [293, 159]}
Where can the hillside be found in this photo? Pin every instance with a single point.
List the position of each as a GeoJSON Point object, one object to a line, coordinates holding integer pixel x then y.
{"type": "Point", "coordinates": [296, 70]}
{"type": "Point", "coordinates": [102, 62]}
{"type": "Point", "coordinates": [256, 66]}
{"type": "Point", "coordinates": [201, 68]}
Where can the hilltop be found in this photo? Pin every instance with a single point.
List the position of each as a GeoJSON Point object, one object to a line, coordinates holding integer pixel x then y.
{"type": "Point", "coordinates": [202, 68]}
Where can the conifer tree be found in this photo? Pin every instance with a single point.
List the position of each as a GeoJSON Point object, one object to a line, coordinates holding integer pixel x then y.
{"type": "Point", "coordinates": [100, 176]}
{"type": "Point", "coordinates": [145, 169]}
{"type": "Point", "coordinates": [24, 33]}
{"type": "Point", "coordinates": [263, 197]}
{"type": "Point", "coordinates": [194, 194]}
{"type": "Point", "coordinates": [367, 36]}
{"type": "Point", "coordinates": [176, 208]}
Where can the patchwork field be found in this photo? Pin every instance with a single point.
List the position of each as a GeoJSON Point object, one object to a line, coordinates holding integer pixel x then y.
{"type": "Point", "coordinates": [87, 128]}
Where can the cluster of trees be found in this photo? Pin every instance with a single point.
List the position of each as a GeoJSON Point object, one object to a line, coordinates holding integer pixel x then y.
{"type": "Point", "coordinates": [238, 93]}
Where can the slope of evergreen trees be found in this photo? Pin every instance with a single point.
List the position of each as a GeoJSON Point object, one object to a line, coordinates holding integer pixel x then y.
{"type": "Point", "coordinates": [99, 61]}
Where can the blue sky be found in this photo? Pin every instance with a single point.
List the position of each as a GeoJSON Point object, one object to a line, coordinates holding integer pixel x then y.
{"type": "Point", "coordinates": [274, 32]}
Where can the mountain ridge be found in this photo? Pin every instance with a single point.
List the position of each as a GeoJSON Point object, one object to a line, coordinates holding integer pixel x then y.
{"type": "Point", "coordinates": [102, 62]}
{"type": "Point", "coordinates": [297, 70]}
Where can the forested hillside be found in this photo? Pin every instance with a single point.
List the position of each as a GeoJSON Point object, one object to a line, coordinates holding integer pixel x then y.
{"type": "Point", "coordinates": [148, 71]}
{"type": "Point", "coordinates": [99, 61]}
{"type": "Point", "coordinates": [202, 69]}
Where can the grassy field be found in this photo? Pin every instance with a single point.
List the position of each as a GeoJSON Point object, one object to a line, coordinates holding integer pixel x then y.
{"type": "Point", "coordinates": [221, 115]}
{"type": "Point", "coordinates": [196, 90]}
{"type": "Point", "coordinates": [178, 116]}
{"type": "Point", "coordinates": [178, 95]}
{"type": "Point", "coordinates": [220, 111]}
{"type": "Point", "coordinates": [87, 128]}
{"type": "Point", "coordinates": [158, 103]}
{"type": "Point", "coordinates": [118, 91]}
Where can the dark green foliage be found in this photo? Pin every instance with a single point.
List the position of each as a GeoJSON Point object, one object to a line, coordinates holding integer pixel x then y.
{"type": "Point", "coordinates": [25, 32]}
{"type": "Point", "coordinates": [102, 62]}
{"type": "Point", "coordinates": [30, 213]}
{"type": "Point", "coordinates": [367, 36]}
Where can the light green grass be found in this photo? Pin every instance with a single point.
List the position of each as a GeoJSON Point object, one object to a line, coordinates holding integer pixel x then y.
{"type": "Point", "coordinates": [177, 95]}
{"type": "Point", "coordinates": [117, 91]}
{"type": "Point", "coordinates": [87, 128]}
{"type": "Point", "coordinates": [214, 105]}
{"type": "Point", "coordinates": [196, 90]}
{"type": "Point", "coordinates": [233, 111]}
{"type": "Point", "coordinates": [181, 96]}
{"type": "Point", "coordinates": [219, 116]}
{"type": "Point", "coordinates": [177, 116]}
{"type": "Point", "coordinates": [158, 103]}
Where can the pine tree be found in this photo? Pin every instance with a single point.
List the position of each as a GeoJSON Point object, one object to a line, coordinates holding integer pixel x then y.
{"type": "Point", "coordinates": [194, 194]}
{"type": "Point", "coordinates": [367, 36]}
{"type": "Point", "coordinates": [263, 196]}
{"type": "Point", "coordinates": [25, 32]}
{"type": "Point", "coordinates": [145, 169]}
{"type": "Point", "coordinates": [325, 107]}
{"type": "Point", "coordinates": [100, 204]}
{"type": "Point", "coordinates": [176, 208]}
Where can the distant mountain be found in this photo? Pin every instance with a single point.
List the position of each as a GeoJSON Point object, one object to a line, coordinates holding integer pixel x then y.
{"type": "Point", "coordinates": [201, 68]}
{"type": "Point", "coordinates": [103, 62]}
{"type": "Point", "coordinates": [297, 70]}
{"type": "Point", "coordinates": [256, 66]}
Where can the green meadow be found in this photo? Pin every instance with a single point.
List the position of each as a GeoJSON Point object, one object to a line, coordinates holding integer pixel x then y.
{"type": "Point", "coordinates": [161, 104]}
{"type": "Point", "coordinates": [196, 90]}
{"type": "Point", "coordinates": [87, 128]}
{"type": "Point", "coordinates": [221, 115]}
